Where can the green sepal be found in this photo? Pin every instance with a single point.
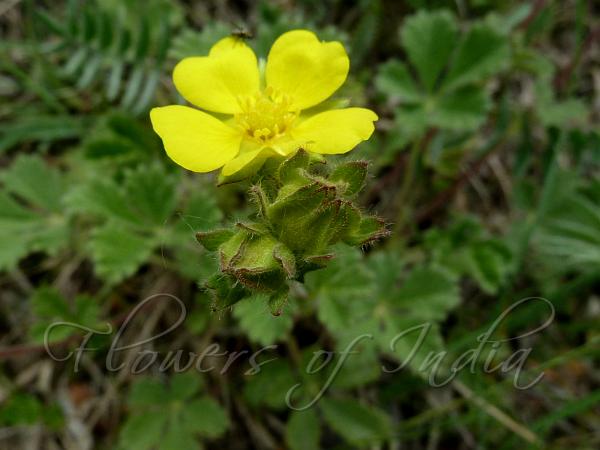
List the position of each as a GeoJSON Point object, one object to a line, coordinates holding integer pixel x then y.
{"type": "Point", "coordinates": [248, 252]}
{"type": "Point", "coordinates": [287, 260]}
{"type": "Point", "coordinates": [350, 217]}
{"type": "Point", "coordinates": [211, 240]}
{"type": "Point", "coordinates": [315, 262]}
{"type": "Point", "coordinates": [277, 301]}
{"type": "Point", "coordinates": [231, 250]}
{"type": "Point", "coordinates": [290, 170]}
{"type": "Point", "coordinates": [258, 261]}
{"type": "Point", "coordinates": [319, 260]}
{"type": "Point", "coordinates": [289, 211]}
{"type": "Point", "coordinates": [352, 174]}
{"type": "Point", "coordinates": [224, 291]}
{"type": "Point", "coordinates": [328, 224]}
{"type": "Point", "coordinates": [253, 227]}
{"type": "Point", "coordinates": [370, 229]}
{"type": "Point", "coordinates": [259, 197]}
{"type": "Point", "coordinates": [325, 225]}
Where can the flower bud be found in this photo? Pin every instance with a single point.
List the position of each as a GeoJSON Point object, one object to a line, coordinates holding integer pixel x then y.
{"type": "Point", "coordinates": [301, 212]}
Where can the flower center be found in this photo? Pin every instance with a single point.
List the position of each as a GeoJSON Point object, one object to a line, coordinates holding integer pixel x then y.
{"type": "Point", "coordinates": [265, 116]}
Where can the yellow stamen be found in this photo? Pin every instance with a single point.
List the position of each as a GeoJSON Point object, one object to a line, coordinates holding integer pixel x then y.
{"type": "Point", "coordinates": [265, 116]}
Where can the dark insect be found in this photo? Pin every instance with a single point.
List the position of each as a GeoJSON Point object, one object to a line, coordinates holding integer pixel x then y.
{"type": "Point", "coordinates": [242, 33]}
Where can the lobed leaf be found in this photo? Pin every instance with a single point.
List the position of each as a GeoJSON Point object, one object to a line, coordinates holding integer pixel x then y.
{"type": "Point", "coordinates": [429, 39]}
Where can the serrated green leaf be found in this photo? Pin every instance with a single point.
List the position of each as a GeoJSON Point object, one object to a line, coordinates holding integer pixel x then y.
{"type": "Point", "coordinates": [395, 80]}
{"type": "Point", "coordinates": [176, 438]}
{"type": "Point", "coordinates": [34, 181]}
{"type": "Point", "coordinates": [145, 202]}
{"type": "Point", "coordinates": [270, 385]}
{"type": "Point", "coordinates": [303, 430]}
{"type": "Point", "coordinates": [101, 197]}
{"type": "Point", "coordinates": [360, 367]}
{"type": "Point", "coordinates": [411, 122]}
{"type": "Point", "coordinates": [428, 294]}
{"type": "Point", "coordinates": [356, 423]}
{"type": "Point", "coordinates": [429, 39]}
{"type": "Point", "coordinates": [50, 307]}
{"type": "Point", "coordinates": [147, 392]}
{"type": "Point", "coordinates": [262, 327]}
{"type": "Point", "coordinates": [120, 135]}
{"type": "Point", "coordinates": [150, 192]}
{"type": "Point", "coordinates": [184, 386]}
{"type": "Point", "coordinates": [204, 417]}
{"type": "Point", "coordinates": [117, 252]}
{"type": "Point", "coordinates": [175, 412]}
{"type": "Point", "coordinates": [11, 250]}
{"type": "Point", "coordinates": [505, 23]}
{"type": "Point", "coordinates": [13, 212]}
{"type": "Point", "coordinates": [44, 234]}
{"type": "Point", "coordinates": [489, 264]}
{"type": "Point", "coordinates": [462, 109]}
{"type": "Point", "coordinates": [194, 262]}
{"type": "Point", "coordinates": [403, 320]}
{"type": "Point", "coordinates": [481, 53]}
{"type": "Point", "coordinates": [24, 230]}
{"type": "Point", "coordinates": [13, 219]}
{"type": "Point", "coordinates": [412, 340]}
{"type": "Point", "coordinates": [463, 249]}
{"type": "Point", "coordinates": [201, 212]}
{"type": "Point", "coordinates": [342, 289]}
{"type": "Point", "coordinates": [143, 432]}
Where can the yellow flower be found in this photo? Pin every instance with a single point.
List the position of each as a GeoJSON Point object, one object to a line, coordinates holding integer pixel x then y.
{"type": "Point", "coordinates": [259, 116]}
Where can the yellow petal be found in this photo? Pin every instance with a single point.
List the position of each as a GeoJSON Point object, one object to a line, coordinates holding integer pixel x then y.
{"type": "Point", "coordinates": [217, 81]}
{"type": "Point", "coordinates": [250, 160]}
{"type": "Point", "coordinates": [305, 68]}
{"type": "Point", "coordinates": [194, 139]}
{"type": "Point", "coordinates": [335, 131]}
{"type": "Point", "coordinates": [285, 145]}
{"type": "Point", "coordinates": [227, 44]}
